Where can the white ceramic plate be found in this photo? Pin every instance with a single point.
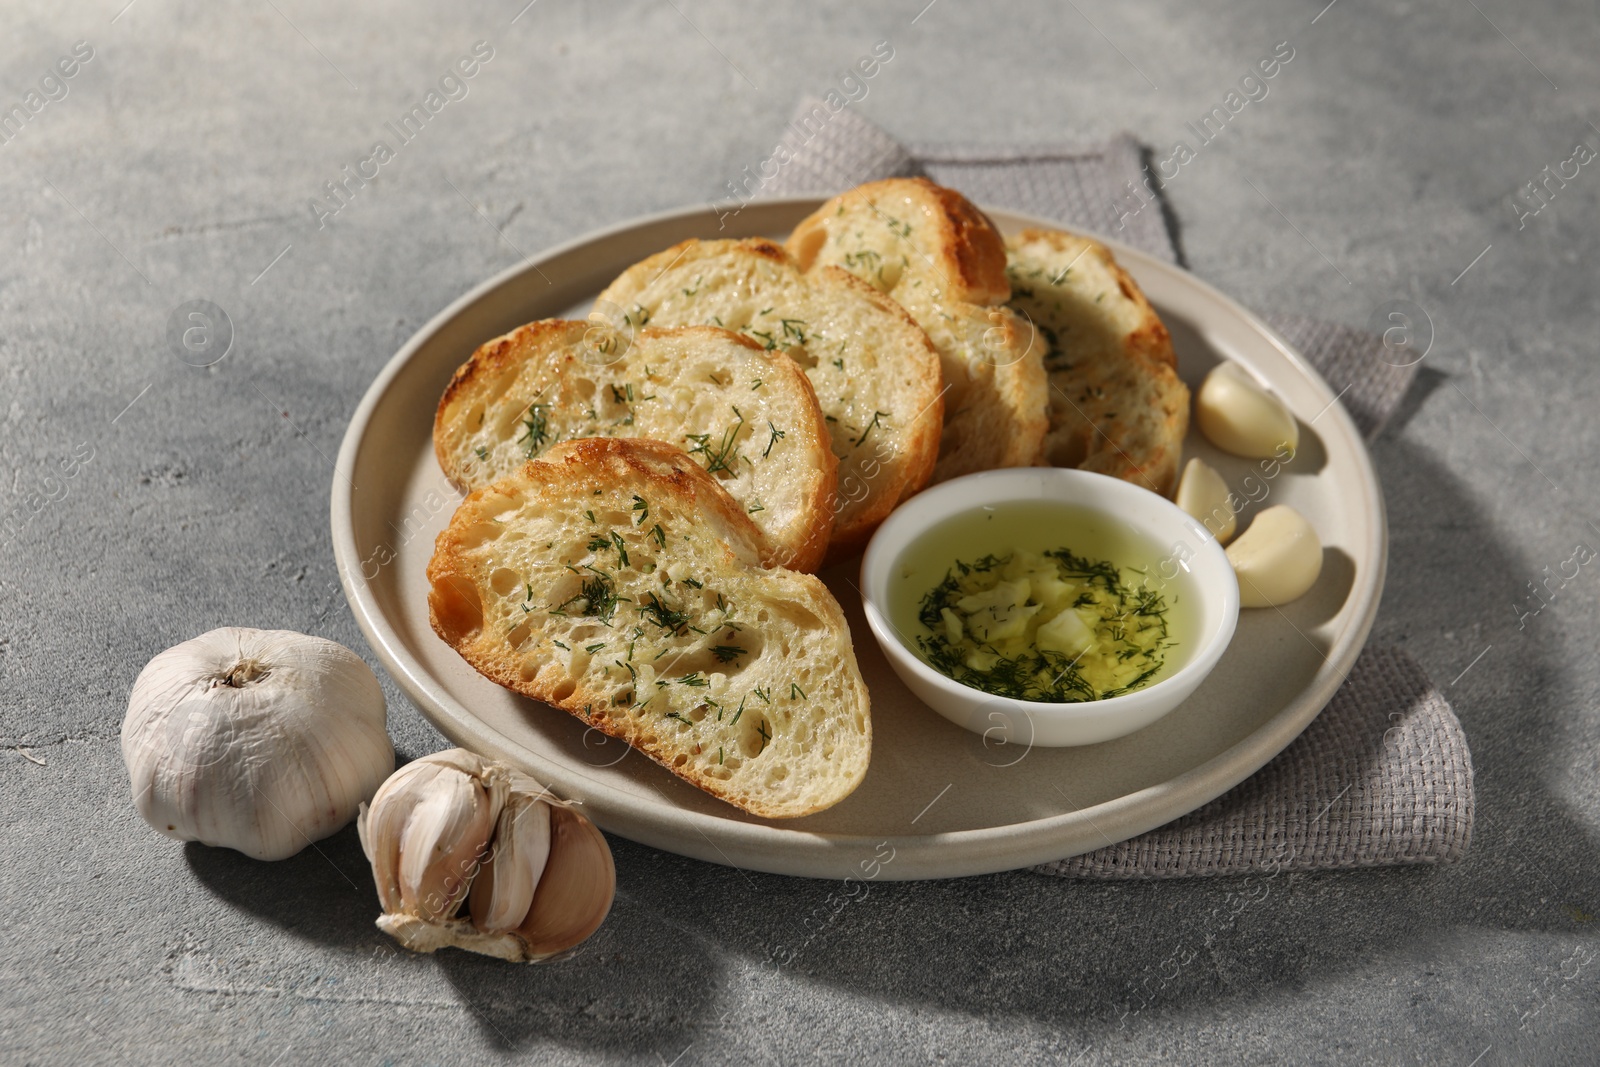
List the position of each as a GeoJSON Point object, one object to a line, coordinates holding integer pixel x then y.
{"type": "Point", "coordinates": [938, 801]}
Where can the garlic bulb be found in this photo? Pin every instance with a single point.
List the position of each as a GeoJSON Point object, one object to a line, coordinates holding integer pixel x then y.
{"type": "Point", "coordinates": [258, 740]}
{"type": "Point", "coordinates": [536, 877]}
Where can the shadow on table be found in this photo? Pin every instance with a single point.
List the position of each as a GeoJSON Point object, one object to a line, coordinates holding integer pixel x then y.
{"type": "Point", "coordinates": [639, 987]}
{"type": "Point", "coordinates": [324, 893]}
{"type": "Point", "coordinates": [1093, 956]}
{"type": "Point", "coordinates": [634, 988]}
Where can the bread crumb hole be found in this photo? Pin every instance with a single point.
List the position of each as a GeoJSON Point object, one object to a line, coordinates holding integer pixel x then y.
{"type": "Point", "coordinates": [755, 734]}
{"type": "Point", "coordinates": [799, 617]}
{"type": "Point", "coordinates": [518, 636]}
{"type": "Point", "coordinates": [501, 506]}
{"type": "Point", "coordinates": [504, 581]}
{"type": "Point", "coordinates": [802, 356]}
{"type": "Point", "coordinates": [480, 533]}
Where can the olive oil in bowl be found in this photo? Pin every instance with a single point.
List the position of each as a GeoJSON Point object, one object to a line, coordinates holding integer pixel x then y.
{"type": "Point", "coordinates": [1042, 601]}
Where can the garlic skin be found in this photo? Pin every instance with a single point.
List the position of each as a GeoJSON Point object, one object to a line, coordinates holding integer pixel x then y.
{"type": "Point", "coordinates": [1277, 559]}
{"type": "Point", "coordinates": [440, 816]}
{"type": "Point", "coordinates": [502, 894]}
{"type": "Point", "coordinates": [536, 877]}
{"type": "Point", "coordinates": [1204, 496]}
{"type": "Point", "coordinates": [257, 740]}
{"type": "Point", "coordinates": [1239, 416]}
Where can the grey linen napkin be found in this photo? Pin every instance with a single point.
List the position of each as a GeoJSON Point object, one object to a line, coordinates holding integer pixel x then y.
{"type": "Point", "coordinates": [1382, 776]}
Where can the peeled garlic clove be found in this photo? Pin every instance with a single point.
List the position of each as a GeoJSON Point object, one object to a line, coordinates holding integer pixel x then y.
{"type": "Point", "coordinates": [577, 888]}
{"type": "Point", "coordinates": [1204, 495]}
{"type": "Point", "coordinates": [258, 740]}
{"type": "Point", "coordinates": [502, 894]}
{"type": "Point", "coordinates": [1277, 559]}
{"type": "Point", "coordinates": [1067, 634]}
{"type": "Point", "coordinates": [537, 877]}
{"type": "Point", "coordinates": [1237, 415]}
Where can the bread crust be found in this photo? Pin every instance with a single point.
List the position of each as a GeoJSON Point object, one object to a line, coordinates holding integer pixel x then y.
{"type": "Point", "coordinates": [1149, 338]}
{"type": "Point", "coordinates": [968, 249]}
{"type": "Point", "coordinates": [951, 279]}
{"type": "Point", "coordinates": [1117, 404]}
{"type": "Point", "coordinates": [551, 358]}
{"type": "Point", "coordinates": [490, 359]}
{"type": "Point", "coordinates": [903, 374]}
{"type": "Point", "coordinates": [712, 536]}
{"type": "Point", "coordinates": [922, 441]}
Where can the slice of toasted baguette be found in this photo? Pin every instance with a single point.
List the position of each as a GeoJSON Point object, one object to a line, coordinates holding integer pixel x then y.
{"type": "Point", "coordinates": [942, 259]}
{"type": "Point", "coordinates": [615, 579]}
{"type": "Point", "coordinates": [748, 416]}
{"type": "Point", "coordinates": [875, 373]}
{"type": "Point", "coordinates": [1117, 405]}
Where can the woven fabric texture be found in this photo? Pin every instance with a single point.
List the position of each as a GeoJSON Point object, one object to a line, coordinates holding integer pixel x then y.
{"type": "Point", "coordinates": [1381, 777]}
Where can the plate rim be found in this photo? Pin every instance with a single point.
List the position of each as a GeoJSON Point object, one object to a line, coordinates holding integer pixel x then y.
{"type": "Point", "coordinates": [808, 853]}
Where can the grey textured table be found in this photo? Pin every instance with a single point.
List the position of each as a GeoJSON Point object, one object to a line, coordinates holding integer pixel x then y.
{"type": "Point", "coordinates": [181, 164]}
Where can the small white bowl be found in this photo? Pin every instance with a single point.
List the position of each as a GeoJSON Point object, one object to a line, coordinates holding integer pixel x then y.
{"type": "Point", "coordinates": [1194, 559]}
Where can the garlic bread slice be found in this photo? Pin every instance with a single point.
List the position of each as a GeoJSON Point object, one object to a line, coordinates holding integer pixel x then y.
{"type": "Point", "coordinates": [941, 259]}
{"type": "Point", "coordinates": [875, 373]}
{"type": "Point", "coordinates": [749, 417]}
{"type": "Point", "coordinates": [617, 580]}
{"type": "Point", "coordinates": [1117, 405]}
